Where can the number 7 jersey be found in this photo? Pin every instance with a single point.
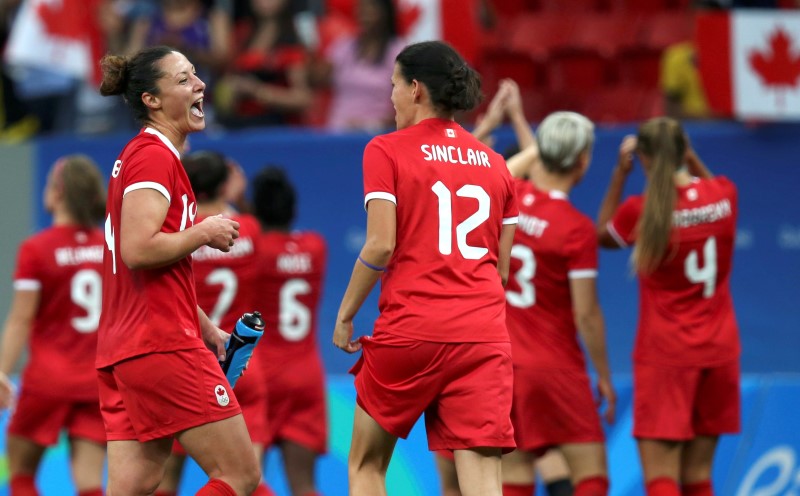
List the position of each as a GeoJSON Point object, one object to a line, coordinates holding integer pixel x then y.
{"type": "Point", "coordinates": [686, 315]}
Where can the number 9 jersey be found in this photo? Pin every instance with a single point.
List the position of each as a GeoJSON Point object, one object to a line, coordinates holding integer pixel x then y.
{"type": "Point", "coordinates": [64, 264]}
{"type": "Point", "coordinates": [686, 315]}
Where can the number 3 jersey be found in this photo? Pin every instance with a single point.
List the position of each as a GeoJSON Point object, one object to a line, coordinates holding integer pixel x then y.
{"type": "Point", "coordinates": [453, 196]}
{"type": "Point", "coordinates": [63, 264]}
{"type": "Point", "coordinates": [147, 310]}
{"type": "Point", "coordinates": [553, 244]}
{"type": "Point", "coordinates": [686, 312]}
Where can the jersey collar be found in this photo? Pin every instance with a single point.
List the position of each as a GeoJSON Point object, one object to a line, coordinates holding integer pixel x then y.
{"type": "Point", "coordinates": [164, 139]}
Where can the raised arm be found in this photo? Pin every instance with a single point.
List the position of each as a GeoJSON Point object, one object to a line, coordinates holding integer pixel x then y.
{"type": "Point", "coordinates": [144, 246]}
{"type": "Point", "coordinates": [694, 165]}
{"type": "Point", "coordinates": [371, 262]}
{"type": "Point", "coordinates": [16, 333]}
{"type": "Point", "coordinates": [495, 113]}
{"type": "Point", "coordinates": [516, 115]}
{"type": "Point", "coordinates": [613, 195]}
{"type": "Point", "coordinates": [591, 327]}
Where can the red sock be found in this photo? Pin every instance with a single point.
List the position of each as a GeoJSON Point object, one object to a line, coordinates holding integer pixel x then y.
{"type": "Point", "coordinates": [663, 486]}
{"type": "Point", "coordinates": [91, 492]}
{"type": "Point", "coordinates": [23, 485]}
{"type": "Point", "coordinates": [519, 490]}
{"type": "Point", "coordinates": [161, 492]}
{"type": "Point", "coordinates": [263, 490]}
{"type": "Point", "coordinates": [216, 487]}
{"type": "Point", "coordinates": [702, 488]}
{"type": "Point", "coordinates": [592, 486]}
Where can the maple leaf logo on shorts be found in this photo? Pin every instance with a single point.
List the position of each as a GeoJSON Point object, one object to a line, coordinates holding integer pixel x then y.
{"type": "Point", "coordinates": [222, 395]}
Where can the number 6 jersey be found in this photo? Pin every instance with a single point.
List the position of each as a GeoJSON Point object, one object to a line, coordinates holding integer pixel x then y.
{"type": "Point", "coordinates": [686, 315]}
{"type": "Point", "coordinates": [63, 264]}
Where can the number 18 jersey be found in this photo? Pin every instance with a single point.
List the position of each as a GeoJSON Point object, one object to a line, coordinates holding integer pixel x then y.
{"type": "Point", "coordinates": [686, 315]}
{"type": "Point", "coordinates": [453, 196]}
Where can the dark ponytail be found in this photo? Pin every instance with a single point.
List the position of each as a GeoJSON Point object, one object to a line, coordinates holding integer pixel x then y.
{"type": "Point", "coordinates": [274, 198]}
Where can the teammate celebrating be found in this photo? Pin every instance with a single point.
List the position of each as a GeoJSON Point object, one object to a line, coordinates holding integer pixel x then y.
{"type": "Point", "coordinates": [157, 379]}
{"type": "Point", "coordinates": [227, 285]}
{"type": "Point", "coordinates": [686, 367]}
{"type": "Point", "coordinates": [552, 291]}
{"type": "Point", "coordinates": [292, 265]}
{"type": "Point", "coordinates": [440, 222]}
{"type": "Point", "coordinates": [55, 312]}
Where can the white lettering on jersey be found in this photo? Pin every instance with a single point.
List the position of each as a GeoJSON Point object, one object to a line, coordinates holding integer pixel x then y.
{"type": "Point", "coordinates": [117, 168]}
{"type": "Point", "coordinates": [532, 226]}
{"type": "Point", "coordinates": [241, 248]}
{"type": "Point", "coordinates": [455, 155]}
{"type": "Point", "coordinates": [702, 215]}
{"type": "Point", "coordinates": [69, 255]}
{"type": "Point", "coordinates": [294, 263]}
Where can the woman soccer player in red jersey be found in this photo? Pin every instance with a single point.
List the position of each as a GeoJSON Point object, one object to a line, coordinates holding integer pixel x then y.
{"type": "Point", "coordinates": [158, 380]}
{"type": "Point", "coordinates": [292, 265]}
{"type": "Point", "coordinates": [55, 312]}
{"type": "Point", "coordinates": [440, 222]}
{"type": "Point", "coordinates": [686, 357]}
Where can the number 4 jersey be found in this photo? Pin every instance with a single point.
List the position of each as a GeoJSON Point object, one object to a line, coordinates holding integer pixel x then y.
{"type": "Point", "coordinates": [453, 196]}
{"type": "Point", "coordinates": [63, 264]}
{"type": "Point", "coordinates": [686, 315]}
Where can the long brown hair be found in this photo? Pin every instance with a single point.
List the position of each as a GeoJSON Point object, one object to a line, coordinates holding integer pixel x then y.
{"type": "Point", "coordinates": [82, 187]}
{"type": "Point", "coordinates": [662, 140]}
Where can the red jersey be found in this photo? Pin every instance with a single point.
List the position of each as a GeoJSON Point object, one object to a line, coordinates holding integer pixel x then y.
{"type": "Point", "coordinates": [227, 283]}
{"type": "Point", "coordinates": [147, 310]}
{"type": "Point", "coordinates": [292, 267]}
{"type": "Point", "coordinates": [453, 196]}
{"type": "Point", "coordinates": [686, 312]}
{"type": "Point", "coordinates": [553, 243]}
{"type": "Point", "coordinates": [64, 264]}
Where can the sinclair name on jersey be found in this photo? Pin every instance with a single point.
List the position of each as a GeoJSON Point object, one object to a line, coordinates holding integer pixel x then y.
{"type": "Point", "coordinates": [455, 155]}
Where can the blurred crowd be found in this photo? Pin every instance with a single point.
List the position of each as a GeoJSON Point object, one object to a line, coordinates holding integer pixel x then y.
{"type": "Point", "coordinates": [321, 63]}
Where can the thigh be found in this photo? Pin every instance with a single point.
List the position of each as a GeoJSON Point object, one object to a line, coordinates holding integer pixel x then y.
{"type": "Point", "coordinates": [717, 404]}
{"type": "Point", "coordinates": [396, 380]}
{"type": "Point", "coordinates": [88, 458]}
{"type": "Point", "coordinates": [134, 467]}
{"type": "Point", "coordinates": [473, 409]}
{"type": "Point", "coordinates": [372, 446]}
{"type": "Point", "coordinates": [220, 447]}
{"type": "Point", "coordinates": [38, 418]}
{"type": "Point", "coordinates": [663, 401]}
{"type": "Point", "coordinates": [166, 393]}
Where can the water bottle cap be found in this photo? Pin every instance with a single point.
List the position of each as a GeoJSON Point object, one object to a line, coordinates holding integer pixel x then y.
{"type": "Point", "coordinates": [254, 320]}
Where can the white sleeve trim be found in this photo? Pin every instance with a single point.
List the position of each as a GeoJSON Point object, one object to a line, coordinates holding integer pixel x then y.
{"type": "Point", "coordinates": [582, 274]}
{"type": "Point", "coordinates": [614, 234]}
{"type": "Point", "coordinates": [511, 220]}
{"type": "Point", "coordinates": [379, 195]}
{"type": "Point", "coordinates": [148, 185]}
{"type": "Point", "coordinates": [27, 285]}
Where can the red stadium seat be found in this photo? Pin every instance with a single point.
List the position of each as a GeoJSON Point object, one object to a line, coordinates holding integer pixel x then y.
{"type": "Point", "coordinates": [575, 69]}
{"type": "Point", "coordinates": [616, 104]}
{"type": "Point", "coordinates": [649, 6]}
{"type": "Point", "coordinates": [639, 66]}
{"type": "Point", "coordinates": [666, 28]}
{"type": "Point", "coordinates": [539, 34]}
{"type": "Point", "coordinates": [499, 64]}
{"type": "Point", "coordinates": [509, 9]}
{"type": "Point", "coordinates": [573, 6]}
{"type": "Point", "coordinates": [607, 33]}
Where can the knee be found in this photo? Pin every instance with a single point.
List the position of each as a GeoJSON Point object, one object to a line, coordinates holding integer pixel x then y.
{"type": "Point", "coordinates": [142, 485]}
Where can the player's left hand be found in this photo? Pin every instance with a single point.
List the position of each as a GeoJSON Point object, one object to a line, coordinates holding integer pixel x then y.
{"type": "Point", "coordinates": [607, 394]}
{"type": "Point", "coordinates": [216, 339]}
{"type": "Point", "coordinates": [343, 337]}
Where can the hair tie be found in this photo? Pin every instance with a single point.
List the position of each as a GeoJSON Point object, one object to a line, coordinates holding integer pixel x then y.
{"type": "Point", "coordinates": [373, 267]}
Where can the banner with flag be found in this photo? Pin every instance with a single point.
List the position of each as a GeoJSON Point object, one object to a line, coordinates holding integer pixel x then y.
{"type": "Point", "coordinates": [750, 63]}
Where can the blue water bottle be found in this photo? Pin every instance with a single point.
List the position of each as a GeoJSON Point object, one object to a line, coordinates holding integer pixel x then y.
{"type": "Point", "coordinates": [245, 336]}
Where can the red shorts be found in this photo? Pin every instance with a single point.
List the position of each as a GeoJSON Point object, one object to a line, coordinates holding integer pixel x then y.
{"type": "Point", "coordinates": [553, 407]}
{"type": "Point", "coordinates": [41, 419]}
{"type": "Point", "coordinates": [679, 403]}
{"type": "Point", "coordinates": [297, 409]}
{"type": "Point", "coordinates": [160, 394]}
{"type": "Point", "coordinates": [464, 389]}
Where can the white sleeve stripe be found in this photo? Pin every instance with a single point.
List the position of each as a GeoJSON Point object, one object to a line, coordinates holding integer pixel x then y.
{"type": "Point", "coordinates": [614, 234]}
{"type": "Point", "coordinates": [511, 220]}
{"type": "Point", "coordinates": [148, 185]}
{"type": "Point", "coordinates": [27, 285]}
{"type": "Point", "coordinates": [379, 195]}
{"type": "Point", "coordinates": [582, 274]}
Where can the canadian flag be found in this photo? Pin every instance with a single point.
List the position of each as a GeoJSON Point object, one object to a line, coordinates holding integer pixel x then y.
{"type": "Point", "coordinates": [62, 35]}
{"type": "Point", "coordinates": [455, 21]}
{"type": "Point", "coordinates": [750, 63]}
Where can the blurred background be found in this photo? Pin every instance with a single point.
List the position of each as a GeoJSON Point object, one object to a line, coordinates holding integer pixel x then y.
{"type": "Point", "coordinates": [305, 84]}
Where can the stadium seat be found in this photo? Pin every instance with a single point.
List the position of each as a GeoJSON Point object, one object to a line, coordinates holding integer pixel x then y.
{"type": "Point", "coordinates": [577, 69]}
{"type": "Point", "coordinates": [606, 33]}
{"type": "Point", "coordinates": [639, 66]}
{"type": "Point", "coordinates": [662, 29]}
{"type": "Point", "coordinates": [573, 6]}
{"type": "Point", "coordinates": [520, 67]}
{"type": "Point", "coordinates": [649, 6]}
{"type": "Point", "coordinates": [617, 104]}
{"type": "Point", "coordinates": [539, 34]}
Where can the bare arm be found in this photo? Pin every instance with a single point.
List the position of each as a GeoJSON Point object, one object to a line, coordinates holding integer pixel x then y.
{"type": "Point", "coordinates": [214, 337]}
{"type": "Point", "coordinates": [613, 195]}
{"type": "Point", "coordinates": [591, 327]}
{"type": "Point", "coordinates": [504, 255]}
{"type": "Point", "coordinates": [144, 246]}
{"type": "Point", "coordinates": [16, 334]}
{"type": "Point", "coordinates": [695, 166]}
{"type": "Point", "coordinates": [492, 118]}
{"type": "Point", "coordinates": [377, 251]}
{"type": "Point", "coordinates": [516, 114]}
{"type": "Point", "coordinates": [522, 163]}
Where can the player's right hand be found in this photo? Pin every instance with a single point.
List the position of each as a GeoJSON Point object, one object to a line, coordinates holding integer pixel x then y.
{"type": "Point", "coordinates": [626, 149]}
{"type": "Point", "coordinates": [222, 231]}
{"type": "Point", "coordinates": [343, 337]}
{"type": "Point", "coordinates": [7, 392]}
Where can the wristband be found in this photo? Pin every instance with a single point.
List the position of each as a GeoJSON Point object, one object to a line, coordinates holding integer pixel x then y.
{"type": "Point", "coordinates": [373, 267]}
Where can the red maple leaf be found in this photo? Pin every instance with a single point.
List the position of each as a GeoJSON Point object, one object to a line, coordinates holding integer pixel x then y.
{"type": "Point", "coordinates": [780, 64]}
{"type": "Point", "coordinates": [408, 16]}
{"type": "Point", "coordinates": [220, 391]}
